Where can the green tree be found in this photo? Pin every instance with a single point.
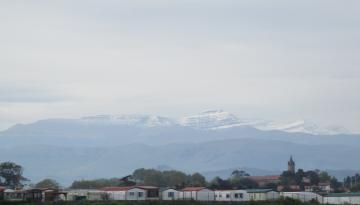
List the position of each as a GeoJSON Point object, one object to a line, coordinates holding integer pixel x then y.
{"type": "Point", "coordinates": [324, 176]}
{"type": "Point", "coordinates": [244, 183]}
{"type": "Point", "coordinates": [48, 183]}
{"type": "Point", "coordinates": [150, 177]}
{"type": "Point", "coordinates": [287, 178]}
{"type": "Point", "coordinates": [95, 184]}
{"type": "Point", "coordinates": [313, 176]}
{"type": "Point", "coordinates": [11, 175]}
{"type": "Point", "coordinates": [197, 179]}
{"type": "Point", "coordinates": [335, 184]}
{"type": "Point", "coordinates": [237, 174]}
{"type": "Point", "coordinates": [218, 183]}
{"type": "Point", "coordinates": [175, 179]}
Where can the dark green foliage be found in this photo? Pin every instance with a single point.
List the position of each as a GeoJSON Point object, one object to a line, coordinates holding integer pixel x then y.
{"type": "Point", "coordinates": [48, 183]}
{"type": "Point", "coordinates": [11, 175]}
{"type": "Point", "coordinates": [352, 182]}
{"type": "Point", "coordinates": [95, 184]}
{"type": "Point", "coordinates": [171, 178]}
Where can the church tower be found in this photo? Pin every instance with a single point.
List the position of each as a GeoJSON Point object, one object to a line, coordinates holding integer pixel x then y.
{"type": "Point", "coordinates": [291, 165]}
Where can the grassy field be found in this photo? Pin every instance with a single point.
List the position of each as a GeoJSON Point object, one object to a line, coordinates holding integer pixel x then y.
{"type": "Point", "coordinates": [278, 202]}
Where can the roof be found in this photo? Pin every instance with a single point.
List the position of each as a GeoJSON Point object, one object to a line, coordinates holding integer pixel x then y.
{"type": "Point", "coordinates": [146, 187]}
{"type": "Point", "coordinates": [193, 188]}
{"type": "Point", "coordinates": [117, 188]}
{"type": "Point", "coordinates": [126, 188]}
{"type": "Point", "coordinates": [343, 194]}
{"type": "Point", "coordinates": [258, 190]}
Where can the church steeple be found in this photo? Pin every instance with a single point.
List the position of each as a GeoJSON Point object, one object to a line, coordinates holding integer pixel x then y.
{"type": "Point", "coordinates": [291, 165]}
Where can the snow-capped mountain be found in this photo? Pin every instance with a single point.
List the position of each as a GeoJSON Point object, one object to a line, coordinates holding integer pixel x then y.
{"type": "Point", "coordinates": [212, 119]}
{"type": "Point", "coordinates": [302, 126]}
{"type": "Point", "coordinates": [208, 120]}
{"type": "Point", "coordinates": [218, 119]}
{"type": "Point", "coordinates": [130, 119]}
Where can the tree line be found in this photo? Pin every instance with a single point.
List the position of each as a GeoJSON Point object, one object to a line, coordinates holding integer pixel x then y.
{"type": "Point", "coordinates": [11, 176]}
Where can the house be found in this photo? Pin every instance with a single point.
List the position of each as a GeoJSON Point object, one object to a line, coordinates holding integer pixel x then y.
{"type": "Point", "coordinates": [117, 193]}
{"type": "Point", "coordinates": [302, 196]}
{"type": "Point", "coordinates": [170, 194]}
{"type": "Point", "coordinates": [342, 198]}
{"type": "Point", "coordinates": [132, 193]}
{"type": "Point", "coordinates": [14, 195]}
{"type": "Point", "coordinates": [152, 192]}
{"type": "Point", "coordinates": [33, 194]}
{"type": "Point", "coordinates": [262, 194]}
{"type": "Point", "coordinates": [197, 193]}
{"type": "Point", "coordinates": [321, 187]}
{"type": "Point", "coordinates": [54, 195]}
{"type": "Point", "coordinates": [78, 194]}
{"type": "Point", "coordinates": [294, 188]}
{"type": "Point", "coordinates": [264, 180]}
{"type": "Point", "coordinates": [231, 195]}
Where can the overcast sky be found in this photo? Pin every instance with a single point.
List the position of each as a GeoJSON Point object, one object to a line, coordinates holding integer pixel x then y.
{"type": "Point", "coordinates": [274, 60]}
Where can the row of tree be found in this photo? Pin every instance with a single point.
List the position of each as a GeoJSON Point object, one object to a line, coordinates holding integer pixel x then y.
{"type": "Point", "coordinates": [352, 182]}
{"type": "Point", "coordinates": [11, 175]}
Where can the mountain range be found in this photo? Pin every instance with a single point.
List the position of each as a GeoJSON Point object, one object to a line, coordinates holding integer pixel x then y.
{"type": "Point", "coordinates": [212, 141]}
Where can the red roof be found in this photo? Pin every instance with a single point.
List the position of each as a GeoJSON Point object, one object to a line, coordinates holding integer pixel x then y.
{"type": "Point", "coordinates": [117, 188]}
{"type": "Point", "coordinates": [193, 188]}
{"type": "Point", "coordinates": [125, 188]}
{"type": "Point", "coordinates": [146, 187]}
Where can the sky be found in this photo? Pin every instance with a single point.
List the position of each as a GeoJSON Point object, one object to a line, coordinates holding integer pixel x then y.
{"type": "Point", "coordinates": [274, 60]}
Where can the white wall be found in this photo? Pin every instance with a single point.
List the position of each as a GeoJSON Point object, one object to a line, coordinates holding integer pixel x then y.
{"type": "Point", "coordinates": [136, 194]}
{"type": "Point", "coordinates": [302, 196]}
{"type": "Point", "coordinates": [165, 194]}
{"type": "Point", "coordinates": [205, 195]}
{"type": "Point", "coordinates": [342, 200]}
{"type": "Point", "coordinates": [231, 195]}
{"type": "Point", "coordinates": [116, 195]}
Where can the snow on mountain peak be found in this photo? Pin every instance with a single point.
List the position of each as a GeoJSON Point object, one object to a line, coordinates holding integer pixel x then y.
{"type": "Point", "coordinates": [214, 120]}
{"type": "Point", "coordinates": [210, 119]}
{"type": "Point", "coordinates": [130, 119]}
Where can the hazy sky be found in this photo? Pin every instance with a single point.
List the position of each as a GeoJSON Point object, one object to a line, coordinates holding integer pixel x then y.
{"type": "Point", "coordinates": [274, 60]}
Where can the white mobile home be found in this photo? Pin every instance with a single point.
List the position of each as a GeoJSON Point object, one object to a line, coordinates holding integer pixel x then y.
{"type": "Point", "coordinates": [170, 194]}
{"type": "Point", "coordinates": [302, 196]}
{"type": "Point", "coordinates": [342, 198]}
{"type": "Point", "coordinates": [262, 194]}
{"type": "Point", "coordinates": [197, 193]}
{"type": "Point", "coordinates": [116, 193]}
{"type": "Point", "coordinates": [132, 193]}
{"type": "Point", "coordinates": [231, 195]}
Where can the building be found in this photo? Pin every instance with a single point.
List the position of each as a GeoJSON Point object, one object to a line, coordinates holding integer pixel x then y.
{"type": "Point", "coordinates": [197, 193]}
{"type": "Point", "coordinates": [54, 195]}
{"type": "Point", "coordinates": [170, 194]}
{"type": "Point", "coordinates": [117, 193]}
{"type": "Point", "coordinates": [302, 196]}
{"type": "Point", "coordinates": [291, 165]}
{"type": "Point", "coordinates": [342, 198]}
{"type": "Point", "coordinates": [132, 193]}
{"type": "Point", "coordinates": [262, 194]}
{"type": "Point", "coordinates": [33, 194]}
{"type": "Point", "coordinates": [321, 187]}
{"type": "Point", "coordinates": [86, 194]}
{"type": "Point", "coordinates": [14, 195]}
{"type": "Point", "coordinates": [231, 195]}
{"type": "Point", "coordinates": [264, 180]}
